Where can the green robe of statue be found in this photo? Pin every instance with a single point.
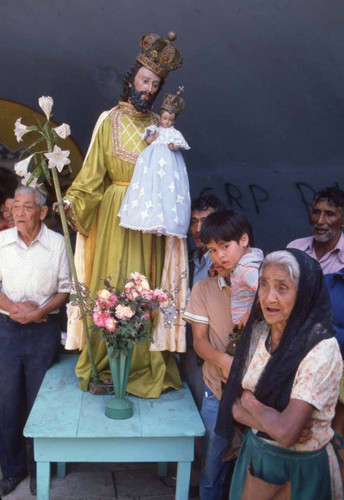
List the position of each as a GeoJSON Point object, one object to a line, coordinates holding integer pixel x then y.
{"type": "Point", "coordinates": [96, 196]}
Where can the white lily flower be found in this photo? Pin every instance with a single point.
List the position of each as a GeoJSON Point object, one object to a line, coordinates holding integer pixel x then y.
{"type": "Point", "coordinates": [20, 129]}
{"type": "Point", "coordinates": [63, 130]}
{"type": "Point", "coordinates": [46, 104]}
{"type": "Point", "coordinates": [21, 167]}
{"type": "Point", "coordinates": [58, 158]}
{"type": "Point", "coordinates": [33, 184]}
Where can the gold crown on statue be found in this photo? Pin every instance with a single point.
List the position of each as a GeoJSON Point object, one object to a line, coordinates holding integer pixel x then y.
{"type": "Point", "coordinates": [173, 103]}
{"type": "Point", "coordinates": [159, 55]}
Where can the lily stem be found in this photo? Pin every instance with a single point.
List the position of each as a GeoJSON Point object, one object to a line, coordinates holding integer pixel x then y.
{"type": "Point", "coordinates": [74, 273]}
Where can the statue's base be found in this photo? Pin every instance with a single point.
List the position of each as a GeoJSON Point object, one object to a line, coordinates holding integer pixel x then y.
{"type": "Point", "coordinates": [119, 409]}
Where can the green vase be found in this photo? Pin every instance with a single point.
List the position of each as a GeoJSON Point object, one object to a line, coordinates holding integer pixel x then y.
{"type": "Point", "coordinates": [120, 407]}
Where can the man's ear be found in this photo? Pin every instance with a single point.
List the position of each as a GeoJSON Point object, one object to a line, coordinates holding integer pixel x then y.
{"type": "Point", "coordinates": [44, 212]}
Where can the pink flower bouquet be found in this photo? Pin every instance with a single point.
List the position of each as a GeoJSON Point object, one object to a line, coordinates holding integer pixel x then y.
{"type": "Point", "coordinates": [124, 318]}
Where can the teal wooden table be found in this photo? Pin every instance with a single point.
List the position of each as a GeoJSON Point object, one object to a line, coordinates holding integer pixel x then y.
{"type": "Point", "coordinates": [69, 425]}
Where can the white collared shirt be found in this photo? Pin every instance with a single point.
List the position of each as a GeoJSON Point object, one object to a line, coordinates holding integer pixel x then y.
{"type": "Point", "coordinates": [35, 272]}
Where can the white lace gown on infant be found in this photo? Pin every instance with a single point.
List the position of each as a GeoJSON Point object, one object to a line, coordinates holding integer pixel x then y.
{"type": "Point", "coordinates": [158, 198]}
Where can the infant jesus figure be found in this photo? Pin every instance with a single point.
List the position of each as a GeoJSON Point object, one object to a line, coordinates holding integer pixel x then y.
{"type": "Point", "coordinates": [158, 198]}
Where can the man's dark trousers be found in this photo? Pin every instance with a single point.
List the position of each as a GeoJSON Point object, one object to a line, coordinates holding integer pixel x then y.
{"type": "Point", "coordinates": [26, 353]}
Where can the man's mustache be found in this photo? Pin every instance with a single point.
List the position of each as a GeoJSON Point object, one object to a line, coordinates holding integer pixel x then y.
{"type": "Point", "coordinates": [316, 226]}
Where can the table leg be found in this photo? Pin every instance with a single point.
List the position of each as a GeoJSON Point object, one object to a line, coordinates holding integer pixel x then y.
{"type": "Point", "coordinates": [61, 469]}
{"type": "Point", "coordinates": [183, 480]}
{"type": "Point", "coordinates": [162, 469]}
{"type": "Point", "coordinates": [43, 480]}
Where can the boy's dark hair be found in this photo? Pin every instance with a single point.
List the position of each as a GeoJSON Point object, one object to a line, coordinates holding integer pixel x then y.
{"type": "Point", "coordinates": [226, 225]}
{"type": "Point", "coordinates": [207, 201]}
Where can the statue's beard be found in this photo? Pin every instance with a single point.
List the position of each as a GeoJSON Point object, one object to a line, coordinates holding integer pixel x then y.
{"type": "Point", "coordinates": [140, 103]}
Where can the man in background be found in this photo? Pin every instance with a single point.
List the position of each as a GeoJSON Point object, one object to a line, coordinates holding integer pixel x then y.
{"type": "Point", "coordinates": [327, 219]}
{"type": "Point", "coordinates": [8, 184]}
{"type": "Point", "coordinates": [199, 264]}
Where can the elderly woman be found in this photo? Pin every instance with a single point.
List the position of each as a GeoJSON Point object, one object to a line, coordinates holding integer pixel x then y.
{"type": "Point", "coordinates": [284, 386]}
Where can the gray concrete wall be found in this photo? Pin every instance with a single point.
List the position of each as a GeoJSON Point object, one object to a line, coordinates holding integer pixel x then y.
{"type": "Point", "coordinates": [264, 89]}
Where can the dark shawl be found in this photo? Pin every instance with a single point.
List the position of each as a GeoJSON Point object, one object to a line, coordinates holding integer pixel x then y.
{"type": "Point", "coordinates": [309, 323]}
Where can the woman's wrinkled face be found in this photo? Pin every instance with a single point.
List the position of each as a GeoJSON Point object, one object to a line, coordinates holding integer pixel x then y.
{"type": "Point", "coordinates": [277, 294]}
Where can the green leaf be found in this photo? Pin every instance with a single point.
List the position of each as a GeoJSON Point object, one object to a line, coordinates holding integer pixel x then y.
{"type": "Point", "coordinates": [24, 153]}
{"type": "Point", "coordinates": [39, 122]}
{"type": "Point", "coordinates": [46, 170]}
{"type": "Point", "coordinates": [32, 177]}
{"type": "Point", "coordinates": [46, 128]}
{"type": "Point", "coordinates": [37, 171]}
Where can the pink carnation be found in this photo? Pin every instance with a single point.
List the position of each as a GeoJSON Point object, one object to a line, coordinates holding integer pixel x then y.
{"type": "Point", "coordinates": [142, 285]}
{"type": "Point", "coordinates": [130, 291]}
{"type": "Point", "coordinates": [147, 294]}
{"type": "Point", "coordinates": [159, 295]}
{"type": "Point", "coordinates": [110, 324]}
{"type": "Point", "coordinates": [137, 277]}
{"type": "Point", "coordinates": [140, 281]}
{"type": "Point", "coordinates": [124, 312]}
{"type": "Point", "coordinates": [113, 299]}
{"type": "Point", "coordinates": [100, 318]}
{"type": "Point", "coordinates": [106, 299]}
{"type": "Point", "coordinates": [146, 316]}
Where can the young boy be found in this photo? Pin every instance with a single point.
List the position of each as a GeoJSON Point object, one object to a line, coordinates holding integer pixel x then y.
{"type": "Point", "coordinates": [212, 306]}
{"type": "Point", "coordinates": [228, 236]}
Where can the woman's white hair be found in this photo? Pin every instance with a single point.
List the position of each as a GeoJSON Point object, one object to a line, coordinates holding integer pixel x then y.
{"type": "Point", "coordinates": [40, 196]}
{"type": "Point", "coordinates": [286, 260]}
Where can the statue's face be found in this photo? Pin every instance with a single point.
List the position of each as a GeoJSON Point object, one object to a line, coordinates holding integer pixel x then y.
{"type": "Point", "coordinates": [143, 91]}
{"type": "Point", "coordinates": [146, 82]}
{"type": "Point", "coordinates": [167, 119]}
